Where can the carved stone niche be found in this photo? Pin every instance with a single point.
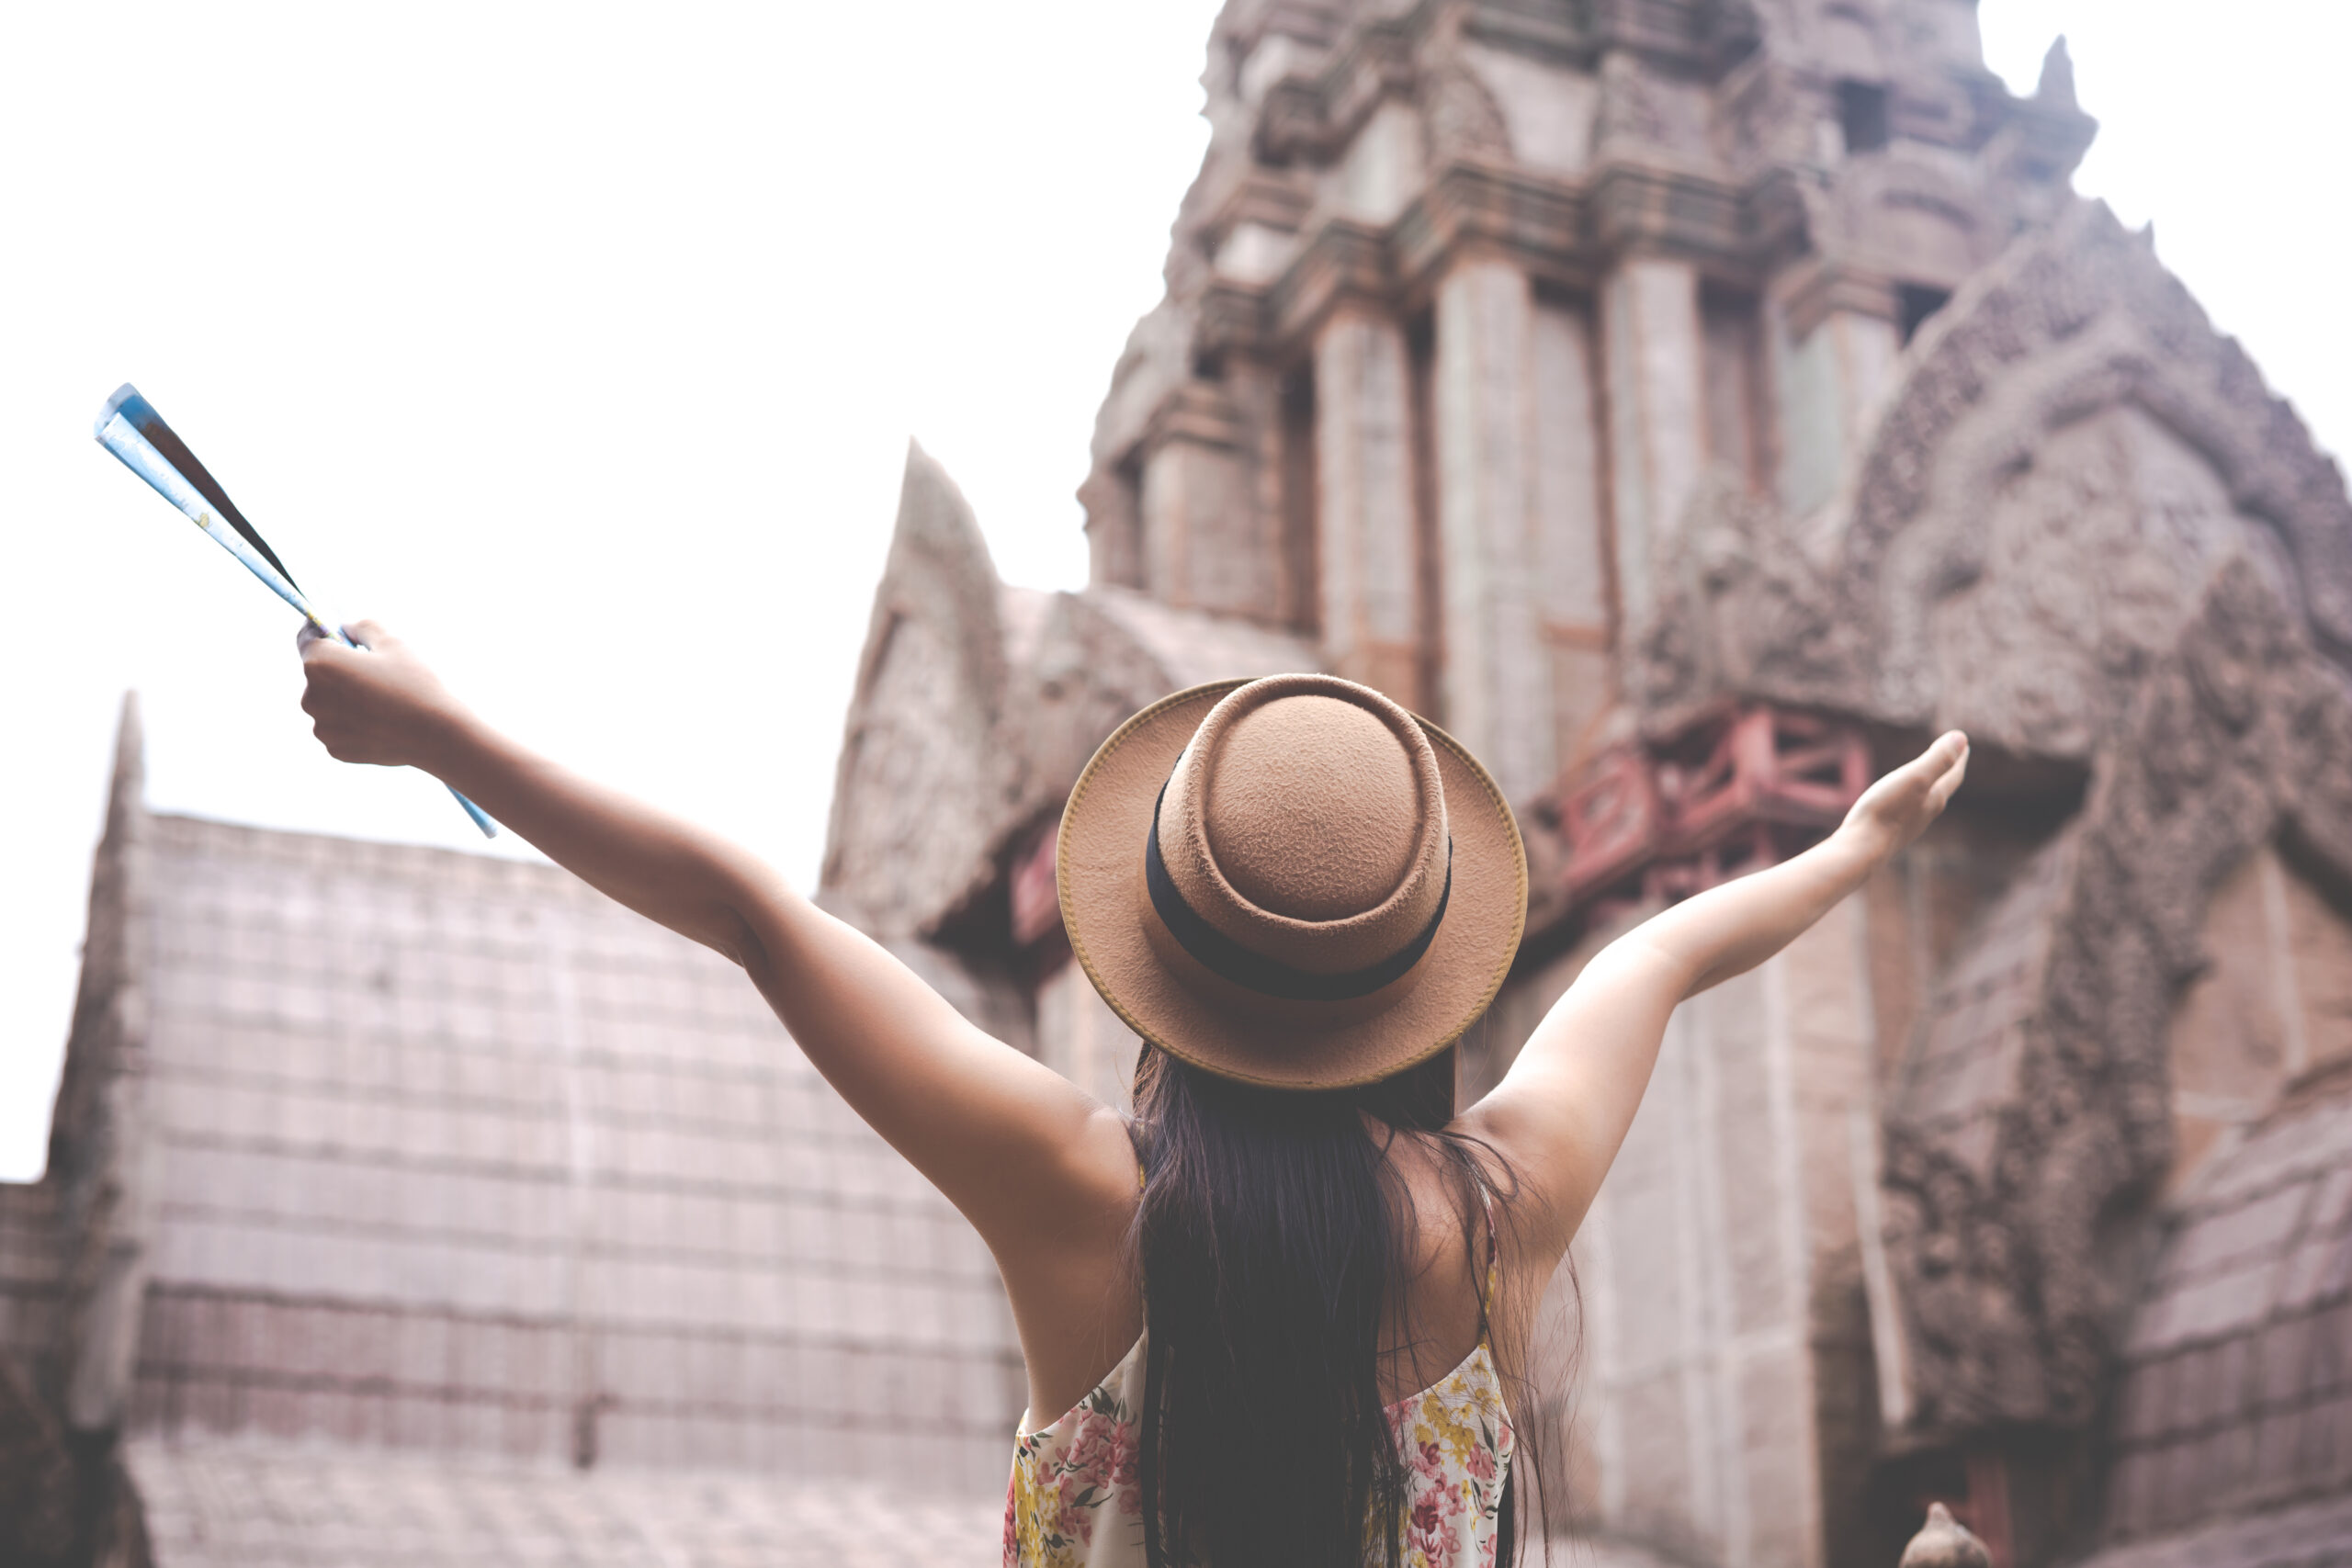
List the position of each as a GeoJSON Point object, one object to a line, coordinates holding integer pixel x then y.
{"type": "Point", "coordinates": [2001, 1221]}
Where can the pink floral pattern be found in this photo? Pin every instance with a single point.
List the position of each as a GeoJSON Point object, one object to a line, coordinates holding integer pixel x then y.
{"type": "Point", "coordinates": [1073, 1500]}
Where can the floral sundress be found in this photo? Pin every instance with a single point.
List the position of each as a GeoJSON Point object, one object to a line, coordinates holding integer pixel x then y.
{"type": "Point", "coordinates": [1074, 1501]}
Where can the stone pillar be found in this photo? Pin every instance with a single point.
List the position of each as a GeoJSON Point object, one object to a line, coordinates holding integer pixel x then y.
{"type": "Point", "coordinates": [1572, 576]}
{"type": "Point", "coordinates": [1113, 527]}
{"type": "Point", "coordinates": [1829, 368]}
{"type": "Point", "coordinates": [1526, 594]}
{"type": "Point", "coordinates": [1211, 531]}
{"type": "Point", "coordinates": [1367, 547]}
{"type": "Point", "coordinates": [1496, 681]}
{"type": "Point", "coordinates": [1658, 436]}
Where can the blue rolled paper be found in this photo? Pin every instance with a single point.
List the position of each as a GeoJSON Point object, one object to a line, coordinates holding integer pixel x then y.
{"type": "Point", "coordinates": [129, 427]}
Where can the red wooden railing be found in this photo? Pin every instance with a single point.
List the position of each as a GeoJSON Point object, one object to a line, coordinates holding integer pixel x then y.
{"type": "Point", "coordinates": [1713, 802]}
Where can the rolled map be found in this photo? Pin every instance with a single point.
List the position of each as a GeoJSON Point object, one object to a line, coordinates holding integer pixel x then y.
{"type": "Point", "coordinates": [129, 427]}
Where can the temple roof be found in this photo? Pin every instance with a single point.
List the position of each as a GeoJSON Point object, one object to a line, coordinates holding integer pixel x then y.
{"type": "Point", "coordinates": [262, 1506]}
{"type": "Point", "coordinates": [2235, 1396]}
{"type": "Point", "coordinates": [457, 1154]}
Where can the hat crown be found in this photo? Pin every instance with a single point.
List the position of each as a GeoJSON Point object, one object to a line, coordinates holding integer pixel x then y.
{"type": "Point", "coordinates": [1306, 823]}
{"type": "Point", "coordinates": [1312, 808]}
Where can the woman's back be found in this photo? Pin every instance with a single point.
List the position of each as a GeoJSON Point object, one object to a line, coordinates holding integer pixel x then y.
{"type": "Point", "coordinates": [1076, 1497]}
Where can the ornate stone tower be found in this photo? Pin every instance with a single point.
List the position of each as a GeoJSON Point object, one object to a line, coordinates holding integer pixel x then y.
{"type": "Point", "coordinates": [1471, 303]}
{"type": "Point", "coordinates": [1693, 405]}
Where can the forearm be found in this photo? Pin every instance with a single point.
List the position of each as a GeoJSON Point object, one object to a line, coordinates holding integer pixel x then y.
{"type": "Point", "coordinates": [1562, 1111]}
{"type": "Point", "coordinates": [666, 869]}
{"type": "Point", "coordinates": [1731, 929]}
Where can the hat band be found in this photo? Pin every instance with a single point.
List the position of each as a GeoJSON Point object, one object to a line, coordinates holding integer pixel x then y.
{"type": "Point", "coordinates": [1229, 960]}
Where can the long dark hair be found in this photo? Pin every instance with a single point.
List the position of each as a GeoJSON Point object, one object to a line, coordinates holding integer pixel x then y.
{"type": "Point", "coordinates": [1273, 1246]}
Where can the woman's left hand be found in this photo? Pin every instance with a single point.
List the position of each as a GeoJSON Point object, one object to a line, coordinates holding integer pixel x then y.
{"type": "Point", "coordinates": [1898, 809]}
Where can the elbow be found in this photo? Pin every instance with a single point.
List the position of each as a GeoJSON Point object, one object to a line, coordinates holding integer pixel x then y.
{"type": "Point", "coordinates": [733, 937]}
{"type": "Point", "coordinates": [1682, 974]}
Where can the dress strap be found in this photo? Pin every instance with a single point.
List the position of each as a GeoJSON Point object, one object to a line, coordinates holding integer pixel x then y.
{"type": "Point", "coordinates": [1494, 1243]}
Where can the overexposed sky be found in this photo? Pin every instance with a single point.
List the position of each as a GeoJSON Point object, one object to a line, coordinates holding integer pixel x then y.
{"type": "Point", "coordinates": [582, 345]}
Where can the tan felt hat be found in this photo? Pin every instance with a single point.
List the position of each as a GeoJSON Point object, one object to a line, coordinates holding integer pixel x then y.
{"type": "Point", "coordinates": [1291, 882]}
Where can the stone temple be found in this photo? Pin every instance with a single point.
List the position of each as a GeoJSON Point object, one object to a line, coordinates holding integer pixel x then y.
{"type": "Point", "coordinates": [1693, 405]}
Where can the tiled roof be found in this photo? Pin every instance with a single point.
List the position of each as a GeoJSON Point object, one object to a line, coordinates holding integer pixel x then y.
{"type": "Point", "coordinates": [248, 1505]}
{"type": "Point", "coordinates": [2236, 1391]}
{"type": "Point", "coordinates": [457, 1154]}
{"type": "Point", "coordinates": [240, 1504]}
{"type": "Point", "coordinates": [2317, 1535]}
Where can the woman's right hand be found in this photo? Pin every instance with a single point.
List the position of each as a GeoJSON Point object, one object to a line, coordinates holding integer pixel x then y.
{"type": "Point", "coordinates": [376, 703]}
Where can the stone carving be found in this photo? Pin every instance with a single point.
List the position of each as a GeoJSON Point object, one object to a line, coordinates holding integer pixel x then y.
{"type": "Point", "coordinates": [2243, 732]}
{"type": "Point", "coordinates": [1460, 118]}
{"type": "Point", "coordinates": [1740, 608]}
{"type": "Point", "coordinates": [902, 845]}
{"type": "Point", "coordinates": [1629, 107]}
{"type": "Point", "coordinates": [1764, 116]}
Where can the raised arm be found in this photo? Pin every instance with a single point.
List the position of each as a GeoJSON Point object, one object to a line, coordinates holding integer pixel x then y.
{"type": "Point", "coordinates": [992, 1129]}
{"type": "Point", "coordinates": [1562, 1111]}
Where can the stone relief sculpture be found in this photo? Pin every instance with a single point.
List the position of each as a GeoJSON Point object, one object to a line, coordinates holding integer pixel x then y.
{"type": "Point", "coordinates": [1629, 107]}
{"type": "Point", "coordinates": [2241, 733]}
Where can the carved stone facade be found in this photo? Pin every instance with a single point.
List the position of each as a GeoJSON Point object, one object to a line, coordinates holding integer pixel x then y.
{"type": "Point", "coordinates": [1692, 403]}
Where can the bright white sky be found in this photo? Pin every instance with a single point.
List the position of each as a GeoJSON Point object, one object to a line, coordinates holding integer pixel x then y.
{"type": "Point", "coordinates": [582, 345]}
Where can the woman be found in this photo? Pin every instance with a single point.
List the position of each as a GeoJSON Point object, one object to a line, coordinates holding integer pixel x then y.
{"type": "Point", "coordinates": [1275, 1306]}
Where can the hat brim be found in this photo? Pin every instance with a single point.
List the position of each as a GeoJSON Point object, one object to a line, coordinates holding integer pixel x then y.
{"type": "Point", "coordinates": [1099, 869]}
